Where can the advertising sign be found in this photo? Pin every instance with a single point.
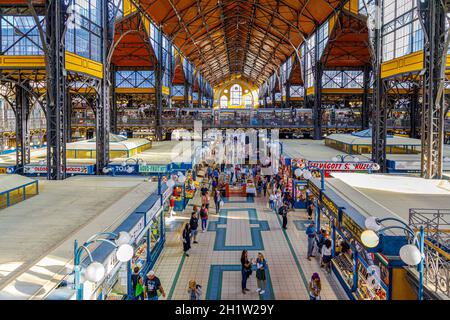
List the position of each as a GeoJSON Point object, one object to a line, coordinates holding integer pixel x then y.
{"type": "Point", "coordinates": [42, 169]}
{"type": "Point", "coordinates": [344, 166]}
{"type": "Point", "coordinates": [152, 168]}
{"type": "Point", "coordinates": [330, 205]}
{"type": "Point", "coordinates": [128, 169]}
{"type": "Point", "coordinates": [136, 230]}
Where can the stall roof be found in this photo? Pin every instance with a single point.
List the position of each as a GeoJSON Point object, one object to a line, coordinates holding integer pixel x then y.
{"type": "Point", "coordinates": [12, 181]}
{"type": "Point", "coordinates": [120, 145]}
{"type": "Point", "coordinates": [367, 141]}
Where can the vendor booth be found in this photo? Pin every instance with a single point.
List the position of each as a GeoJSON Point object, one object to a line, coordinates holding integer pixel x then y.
{"type": "Point", "coordinates": [365, 274]}
{"type": "Point", "coordinates": [147, 230]}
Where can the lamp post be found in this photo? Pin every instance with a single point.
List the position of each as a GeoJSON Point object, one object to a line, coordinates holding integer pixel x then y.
{"type": "Point", "coordinates": [95, 272]}
{"type": "Point", "coordinates": [342, 157]}
{"type": "Point", "coordinates": [411, 254]}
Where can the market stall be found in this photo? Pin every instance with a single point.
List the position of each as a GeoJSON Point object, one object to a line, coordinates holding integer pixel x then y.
{"type": "Point", "coordinates": [146, 228]}
{"type": "Point", "coordinates": [364, 275]}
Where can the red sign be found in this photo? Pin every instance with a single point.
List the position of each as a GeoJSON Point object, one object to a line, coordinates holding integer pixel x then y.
{"type": "Point", "coordinates": [344, 166]}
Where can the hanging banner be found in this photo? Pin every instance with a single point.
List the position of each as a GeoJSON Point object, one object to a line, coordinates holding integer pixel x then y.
{"type": "Point", "coordinates": [344, 166]}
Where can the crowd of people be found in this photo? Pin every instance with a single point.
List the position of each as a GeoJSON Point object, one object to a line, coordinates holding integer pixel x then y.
{"type": "Point", "coordinates": [274, 190]}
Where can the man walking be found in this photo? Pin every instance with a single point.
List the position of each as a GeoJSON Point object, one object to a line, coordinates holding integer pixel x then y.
{"type": "Point", "coordinates": [283, 211]}
{"type": "Point", "coordinates": [311, 233]}
{"type": "Point", "coordinates": [152, 286]}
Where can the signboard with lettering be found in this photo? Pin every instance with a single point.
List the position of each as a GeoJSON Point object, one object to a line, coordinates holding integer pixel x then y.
{"type": "Point", "coordinates": [42, 169]}
{"type": "Point", "coordinates": [344, 166]}
{"type": "Point", "coordinates": [136, 230]}
{"type": "Point", "coordinates": [314, 190]}
{"type": "Point", "coordinates": [351, 226]}
{"type": "Point", "coordinates": [330, 206]}
{"type": "Point", "coordinates": [152, 168]}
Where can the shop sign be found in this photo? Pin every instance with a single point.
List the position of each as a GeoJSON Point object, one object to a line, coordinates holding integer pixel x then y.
{"type": "Point", "coordinates": [6, 169]}
{"type": "Point", "coordinates": [351, 226]}
{"type": "Point", "coordinates": [136, 230]}
{"type": "Point", "coordinates": [152, 212]}
{"type": "Point", "coordinates": [345, 166]}
{"type": "Point", "coordinates": [300, 163]}
{"type": "Point", "coordinates": [330, 205]}
{"type": "Point", "coordinates": [32, 169]}
{"type": "Point", "coordinates": [151, 168]}
{"type": "Point", "coordinates": [167, 194]}
{"type": "Point", "coordinates": [128, 169]}
{"type": "Point", "coordinates": [314, 189]}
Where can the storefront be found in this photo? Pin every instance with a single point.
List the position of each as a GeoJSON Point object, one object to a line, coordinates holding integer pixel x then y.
{"type": "Point", "coordinates": [147, 230]}
{"type": "Point", "coordinates": [363, 275]}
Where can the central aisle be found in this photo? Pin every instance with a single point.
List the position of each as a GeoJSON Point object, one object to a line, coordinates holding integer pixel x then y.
{"type": "Point", "coordinates": [214, 262]}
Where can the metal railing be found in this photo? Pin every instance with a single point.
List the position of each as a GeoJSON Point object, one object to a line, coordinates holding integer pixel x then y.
{"type": "Point", "coordinates": [436, 224]}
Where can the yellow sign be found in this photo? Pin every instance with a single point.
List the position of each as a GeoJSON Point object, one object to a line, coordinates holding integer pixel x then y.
{"type": "Point", "coordinates": [330, 205]}
{"type": "Point", "coordinates": [351, 226]}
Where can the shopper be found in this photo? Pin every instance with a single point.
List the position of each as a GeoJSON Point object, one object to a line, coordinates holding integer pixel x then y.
{"type": "Point", "coordinates": [314, 287]}
{"type": "Point", "coordinates": [193, 223]}
{"type": "Point", "coordinates": [136, 284]}
{"type": "Point", "coordinates": [310, 210]}
{"type": "Point", "coordinates": [186, 239]}
{"type": "Point", "coordinates": [311, 233]}
{"type": "Point", "coordinates": [283, 211]}
{"type": "Point", "coordinates": [272, 201]}
{"type": "Point", "coordinates": [153, 287]}
{"type": "Point", "coordinates": [204, 216]}
{"type": "Point", "coordinates": [246, 270]}
{"type": "Point", "coordinates": [261, 266]}
{"type": "Point", "coordinates": [171, 205]}
{"type": "Point", "coordinates": [264, 187]}
{"type": "Point", "coordinates": [217, 200]}
{"type": "Point", "coordinates": [194, 290]}
{"type": "Point", "coordinates": [326, 255]}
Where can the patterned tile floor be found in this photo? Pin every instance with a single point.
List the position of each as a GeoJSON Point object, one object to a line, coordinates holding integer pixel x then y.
{"type": "Point", "coordinates": [215, 265]}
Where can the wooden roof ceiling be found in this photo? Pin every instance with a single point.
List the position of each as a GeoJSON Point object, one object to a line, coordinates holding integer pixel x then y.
{"type": "Point", "coordinates": [250, 38]}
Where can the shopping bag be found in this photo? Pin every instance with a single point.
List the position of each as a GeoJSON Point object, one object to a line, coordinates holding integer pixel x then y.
{"type": "Point", "coordinates": [221, 203]}
{"type": "Point", "coordinates": [315, 251]}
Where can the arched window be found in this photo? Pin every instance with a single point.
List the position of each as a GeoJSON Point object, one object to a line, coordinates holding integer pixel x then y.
{"type": "Point", "coordinates": [223, 102]}
{"type": "Point", "coordinates": [248, 101]}
{"type": "Point", "coordinates": [236, 95]}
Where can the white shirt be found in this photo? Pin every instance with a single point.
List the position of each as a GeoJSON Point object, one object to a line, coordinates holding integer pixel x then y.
{"type": "Point", "coordinates": [326, 251]}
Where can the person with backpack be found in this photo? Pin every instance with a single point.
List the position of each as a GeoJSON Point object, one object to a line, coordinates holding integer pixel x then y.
{"type": "Point", "coordinates": [153, 287]}
{"type": "Point", "coordinates": [194, 290]}
{"type": "Point", "coordinates": [193, 223]}
{"type": "Point", "coordinates": [283, 211]}
{"type": "Point", "coordinates": [136, 285]}
{"type": "Point", "coordinates": [204, 216]}
{"type": "Point", "coordinates": [186, 239]}
{"type": "Point", "coordinates": [314, 287]}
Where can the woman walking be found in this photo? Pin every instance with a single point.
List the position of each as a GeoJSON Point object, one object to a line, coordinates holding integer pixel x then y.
{"type": "Point", "coordinates": [186, 239]}
{"type": "Point", "coordinates": [204, 216]}
{"type": "Point", "coordinates": [261, 266]}
{"type": "Point", "coordinates": [217, 200]}
{"type": "Point", "coordinates": [314, 287]}
{"type": "Point", "coordinates": [326, 255]}
{"type": "Point", "coordinates": [246, 270]}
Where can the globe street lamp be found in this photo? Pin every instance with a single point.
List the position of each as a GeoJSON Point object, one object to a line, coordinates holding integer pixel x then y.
{"type": "Point", "coordinates": [95, 272]}
{"type": "Point", "coordinates": [411, 254]}
{"type": "Point", "coordinates": [307, 174]}
{"type": "Point", "coordinates": [342, 157]}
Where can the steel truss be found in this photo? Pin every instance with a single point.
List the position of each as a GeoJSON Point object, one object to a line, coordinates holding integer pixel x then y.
{"type": "Point", "coordinates": [436, 224]}
{"type": "Point", "coordinates": [432, 15]}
